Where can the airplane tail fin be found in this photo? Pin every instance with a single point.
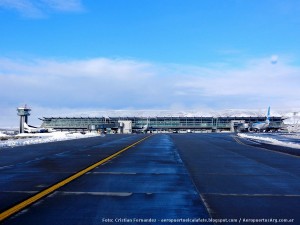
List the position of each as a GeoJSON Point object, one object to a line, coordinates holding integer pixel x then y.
{"type": "Point", "coordinates": [26, 126]}
{"type": "Point", "coordinates": [268, 116]}
{"type": "Point", "coordinates": [147, 124]}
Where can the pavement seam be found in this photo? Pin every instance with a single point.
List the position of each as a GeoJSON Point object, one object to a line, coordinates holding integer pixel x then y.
{"type": "Point", "coordinates": [209, 210]}
{"type": "Point", "coordinates": [17, 208]}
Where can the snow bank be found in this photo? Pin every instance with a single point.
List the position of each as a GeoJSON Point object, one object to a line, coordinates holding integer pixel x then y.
{"type": "Point", "coordinates": [28, 139]}
{"type": "Point", "coordinates": [3, 135]}
{"type": "Point", "coordinates": [269, 140]}
{"type": "Point", "coordinates": [292, 122]}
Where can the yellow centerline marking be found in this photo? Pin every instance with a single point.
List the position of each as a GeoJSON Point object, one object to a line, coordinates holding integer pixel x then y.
{"type": "Point", "coordinates": [53, 188]}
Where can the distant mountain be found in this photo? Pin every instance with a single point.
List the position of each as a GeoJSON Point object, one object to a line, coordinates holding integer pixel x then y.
{"type": "Point", "coordinates": [173, 113]}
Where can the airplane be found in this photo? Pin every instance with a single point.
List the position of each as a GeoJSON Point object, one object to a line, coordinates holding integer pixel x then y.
{"type": "Point", "coordinates": [32, 129]}
{"type": "Point", "coordinates": [144, 129]}
{"type": "Point", "coordinates": [261, 126]}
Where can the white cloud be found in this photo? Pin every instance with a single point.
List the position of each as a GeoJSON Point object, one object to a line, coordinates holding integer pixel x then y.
{"type": "Point", "coordinates": [274, 59]}
{"type": "Point", "coordinates": [102, 83]}
{"type": "Point", "coordinates": [39, 8]}
{"type": "Point", "coordinates": [59, 5]}
{"type": "Point", "coordinates": [24, 7]}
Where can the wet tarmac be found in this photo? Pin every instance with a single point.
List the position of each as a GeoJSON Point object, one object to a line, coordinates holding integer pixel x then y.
{"type": "Point", "coordinates": [30, 169]}
{"type": "Point", "coordinates": [148, 184]}
{"type": "Point", "coordinates": [240, 181]}
{"type": "Point", "coordinates": [166, 179]}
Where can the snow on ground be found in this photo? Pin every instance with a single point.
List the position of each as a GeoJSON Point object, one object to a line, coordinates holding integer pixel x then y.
{"type": "Point", "coordinates": [28, 139]}
{"type": "Point", "coordinates": [274, 139]}
{"type": "Point", "coordinates": [3, 135]}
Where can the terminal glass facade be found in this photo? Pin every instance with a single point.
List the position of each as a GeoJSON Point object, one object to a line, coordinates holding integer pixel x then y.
{"type": "Point", "coordinates": [154, 123]}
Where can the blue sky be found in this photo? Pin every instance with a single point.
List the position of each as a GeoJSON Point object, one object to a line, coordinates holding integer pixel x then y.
{"type": "Point", "coordinates": [142, 54]}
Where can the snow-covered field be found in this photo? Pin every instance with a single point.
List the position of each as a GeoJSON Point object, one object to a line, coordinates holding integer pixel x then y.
{"type": "Point", "coordinates": [28, 139]}
{"type": "Point", "coordinates": [285, 140]}
{"type": "Point", "coordinates": [3, 135]}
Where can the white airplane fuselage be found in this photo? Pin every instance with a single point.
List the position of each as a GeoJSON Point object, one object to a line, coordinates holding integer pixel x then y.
{"type": "Point", "coordinates": [30, 129]}
{"type": "Point", "coordinates": [262, 126]}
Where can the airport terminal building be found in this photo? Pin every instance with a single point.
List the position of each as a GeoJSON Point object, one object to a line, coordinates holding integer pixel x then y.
{"type": "Point", "coordinates": [154, 124]}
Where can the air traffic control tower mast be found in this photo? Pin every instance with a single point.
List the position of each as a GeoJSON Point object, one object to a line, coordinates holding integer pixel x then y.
{"type": "Point", "coordinates": [23, 112]}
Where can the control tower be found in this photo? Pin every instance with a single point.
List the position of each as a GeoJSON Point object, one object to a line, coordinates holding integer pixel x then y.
{"type": "Point", "coordinates": [23, 112]}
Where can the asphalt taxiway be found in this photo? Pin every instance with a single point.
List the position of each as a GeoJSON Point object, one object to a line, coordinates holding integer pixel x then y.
{"type": "Point", "coordinates": [238, 180]}
{"type": "Point", "coordinates": [166, 178]}
{"type": "Point", "coordinates": [147, 183]}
